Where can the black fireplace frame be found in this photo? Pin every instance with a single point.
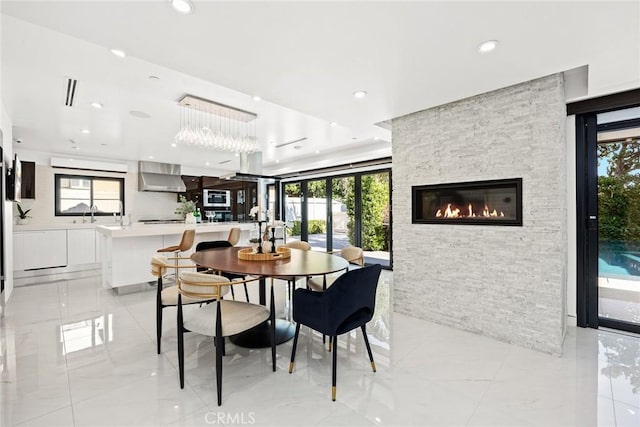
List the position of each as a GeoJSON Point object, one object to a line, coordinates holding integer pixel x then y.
{"type": "Point", "coordinates": [416, 202]}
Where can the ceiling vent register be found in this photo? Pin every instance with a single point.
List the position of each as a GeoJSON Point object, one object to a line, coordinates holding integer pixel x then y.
{"type": "Point", "coordinates": [284, 144]}
{"type": "Point", "coordinates": [70, 93]}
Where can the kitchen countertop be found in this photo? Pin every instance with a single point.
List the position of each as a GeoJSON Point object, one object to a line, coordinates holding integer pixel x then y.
{"type": "Point", "coordinates": [44, 227]}
{"type": "Point", "coordinates": [163, 229]}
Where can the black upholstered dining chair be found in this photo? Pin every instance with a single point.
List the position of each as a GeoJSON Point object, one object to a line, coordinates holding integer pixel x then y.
{"type": "Point", "coordinates": [348, 304]}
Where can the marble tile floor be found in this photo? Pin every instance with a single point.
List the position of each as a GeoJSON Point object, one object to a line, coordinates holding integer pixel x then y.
{"type": "Point", "coordinates": [73, 354]}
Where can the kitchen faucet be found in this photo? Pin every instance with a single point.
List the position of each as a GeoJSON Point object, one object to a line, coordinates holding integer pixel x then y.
{"type": "Point", "coordinates": [121, 211]}
{"type": "Point", "coordinates": [93, 209]}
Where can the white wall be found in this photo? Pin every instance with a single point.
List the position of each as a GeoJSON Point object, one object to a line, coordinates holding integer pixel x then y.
{"type": "Point", "coordinates": [7, 227]}
{"type": "Point", "coordinates": [141, 204]}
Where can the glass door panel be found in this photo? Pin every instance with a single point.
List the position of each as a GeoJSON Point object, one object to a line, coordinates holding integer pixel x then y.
{"type": "Point", "coordinates": [293, 210]}
{"type": "Point", "coordinates": [375, 224]}
{"type": "Point", "coordinates": [317, 214]}
{"type": "Point", "coordinates": [342, 212]}
{"type": "Point", "coordinates": [619, 225]}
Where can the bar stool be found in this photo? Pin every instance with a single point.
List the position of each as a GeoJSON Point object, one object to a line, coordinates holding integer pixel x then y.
{"type": "Point", "coordinates": [186, 242]}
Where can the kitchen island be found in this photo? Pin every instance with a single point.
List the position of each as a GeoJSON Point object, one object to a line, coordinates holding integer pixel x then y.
{"type": "Point", "coordinates": [127, 251]}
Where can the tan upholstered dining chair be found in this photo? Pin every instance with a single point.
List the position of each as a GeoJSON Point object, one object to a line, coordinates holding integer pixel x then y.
{"type": "Point", "coordinates": [167, 296]}
{"type": "Point", "coordinates": [234, 236]}
{"type": "Point", "coordinates": [353, 254]}
{"type": "Point", "coordinates": [291, 281]}
{"type": "Point", "coordinates": [218, 319]}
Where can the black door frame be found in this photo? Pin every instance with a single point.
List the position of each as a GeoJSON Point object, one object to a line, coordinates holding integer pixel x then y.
{"type": "Point", "coordinates": [587, 221]}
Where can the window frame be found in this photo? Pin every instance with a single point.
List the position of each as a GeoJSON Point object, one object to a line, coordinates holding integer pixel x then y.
{"type": "Point", "coordinates": [59, 176]}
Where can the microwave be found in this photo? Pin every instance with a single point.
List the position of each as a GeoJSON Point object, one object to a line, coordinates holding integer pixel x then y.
{"type": "Point", "coordinates": [216, 198]}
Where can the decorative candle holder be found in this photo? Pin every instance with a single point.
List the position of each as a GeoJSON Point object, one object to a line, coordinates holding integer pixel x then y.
{"type": "Point", "coordinates": [260, 237]}
{"type": "Point", "coordinates": [273, 240]}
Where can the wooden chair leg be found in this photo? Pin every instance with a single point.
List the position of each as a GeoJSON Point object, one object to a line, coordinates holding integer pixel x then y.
{"type": "Point", "coordinates": [295, 345]}
{"type": "Point", "coordinates": [335, 362]}
{"type": "Point", "coordinates": [366, 342]}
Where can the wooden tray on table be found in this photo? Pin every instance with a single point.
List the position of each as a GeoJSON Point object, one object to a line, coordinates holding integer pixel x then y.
{"type": "Point", "coordinates": [248, 254]}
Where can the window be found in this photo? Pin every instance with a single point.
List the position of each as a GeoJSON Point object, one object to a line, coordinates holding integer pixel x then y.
{"type": "Point", "coordinates": [75, 195]}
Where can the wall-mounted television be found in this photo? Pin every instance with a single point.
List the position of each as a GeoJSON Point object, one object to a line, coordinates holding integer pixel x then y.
{"type": "Point", "coordinates": [14, 180]}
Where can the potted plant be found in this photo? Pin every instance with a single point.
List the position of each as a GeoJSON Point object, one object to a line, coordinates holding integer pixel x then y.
{"type": "Point", "coordinates": [23, 215]}
{"type": "Point", "coordinates": [186, 208]}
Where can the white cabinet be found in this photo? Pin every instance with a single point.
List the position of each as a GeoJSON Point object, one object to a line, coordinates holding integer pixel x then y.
{"type": "Point", "coordinates": [81, 246]}
{"type": "Point", "coordinates": [39, 249]}
{"type": "Point", "coordinates": [18, 251]}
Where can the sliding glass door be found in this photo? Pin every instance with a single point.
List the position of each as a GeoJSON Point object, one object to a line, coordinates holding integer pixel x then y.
{"type": "Point", "coordinates": [292, 212]}
{"type": "Point", "coordinates": [619, 225]}
{"type": "Point", "coordinates": [334, 212]}
{"type": "Point", "coordinates": [375, 229]}
{"type": "Point", "coordinates": [316, 200]}
{"type": "Point", "coordinates": [342, 211]}
{"type": "Point", "coordinates": [608, 239]}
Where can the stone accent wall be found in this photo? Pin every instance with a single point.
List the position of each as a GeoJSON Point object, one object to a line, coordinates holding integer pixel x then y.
{"type": "Point", "coordinates": [505, 282]}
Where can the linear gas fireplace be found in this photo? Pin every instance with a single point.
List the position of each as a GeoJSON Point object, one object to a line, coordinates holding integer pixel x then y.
{"type": "Point", "coordinates": [497, 202]}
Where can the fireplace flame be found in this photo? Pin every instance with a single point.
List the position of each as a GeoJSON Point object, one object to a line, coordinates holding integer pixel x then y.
{"type": "Point", "coordinates": [451, 211]}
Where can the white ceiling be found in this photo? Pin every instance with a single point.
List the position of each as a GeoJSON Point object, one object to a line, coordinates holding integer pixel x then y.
{"type": "Point", "coordinates": [305, 59]}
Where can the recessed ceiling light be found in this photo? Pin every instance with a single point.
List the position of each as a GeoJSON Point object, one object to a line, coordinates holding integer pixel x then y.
{"type": "Point", "coordinates": [140, 114]}
{"type": "Point", "coordinates": [119, 53]}
{"type": "Point", "coordinates": [85, 131]}
{"type": "Point", "coordinates": [333, 124]}
{"type": "Point", "coordinates": [174, 145]}
{"type": "Point", "coordinates": [97, 105]}
{"type": "Point", "coordinates": [151, 157]}
{"type": "Point", "coordinates": [207, 163]}
{"type": "Point", "coordinates": [257, 98]}
{"type": "Point", "coordinates": [359, 94]}
{"type": "Point", "coordinates": [277, 161]}
{"type": "Point", "coordinates": [236, 154]}
{"type": "Point", "coordinates": [487, 46]}
{"type": "Point", "coordinates": [182, 6]}
{"type": "Point", "coordinates": [375, 138]}
{"type": "Point", "coordinates": [317, 151]}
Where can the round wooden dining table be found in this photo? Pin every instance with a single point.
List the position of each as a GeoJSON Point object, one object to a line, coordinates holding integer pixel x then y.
{"type": "Point", "coordinates": [300, 264]}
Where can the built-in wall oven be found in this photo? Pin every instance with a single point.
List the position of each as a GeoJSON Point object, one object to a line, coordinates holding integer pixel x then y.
{"type": "Point", "coordinates": [216, 199]}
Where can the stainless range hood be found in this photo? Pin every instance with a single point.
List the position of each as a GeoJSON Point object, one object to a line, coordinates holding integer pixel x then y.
{"type": "Point", "coordinates": [249, 177]}
{"type": "Point", "coordinates": [250, 170]}
{"type": "Point", "coordinates": [161, 177]}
